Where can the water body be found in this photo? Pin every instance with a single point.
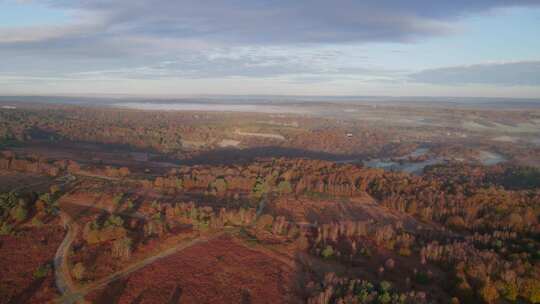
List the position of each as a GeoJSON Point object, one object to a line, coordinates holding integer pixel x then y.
{"type": "Point", "coordinates": [402, 163]}
{"type": "Point", "coordinates": [488, 158]}
{"type": "Point", "coordinates": [404, 166]}
{"type": "Point", "coordinates": [416, 153]}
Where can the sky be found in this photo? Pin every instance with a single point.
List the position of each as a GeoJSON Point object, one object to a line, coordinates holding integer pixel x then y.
{"type": "Point", "coordinates": [481, 48]}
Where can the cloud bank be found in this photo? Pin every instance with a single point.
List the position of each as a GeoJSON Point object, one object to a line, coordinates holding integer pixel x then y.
{"type": "Point", "coordinates": [525, 73]}
{"type": "Point", "coordinates": [196, 39]}
{"type": "Point", "coordinates": [241, 22]}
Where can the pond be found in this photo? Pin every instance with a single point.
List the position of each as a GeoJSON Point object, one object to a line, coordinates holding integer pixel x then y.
{"type": "Point", "coordinates": [486, 158]}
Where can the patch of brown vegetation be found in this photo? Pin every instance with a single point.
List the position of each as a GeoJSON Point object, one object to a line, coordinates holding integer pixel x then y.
{"type": "Point", "coordinates": [21, 256]}
{"type": "Point", "coordinates": [221, 271]}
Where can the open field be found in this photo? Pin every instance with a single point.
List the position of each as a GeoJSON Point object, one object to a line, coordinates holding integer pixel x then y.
{"type": "Point", "coordinates": [22, 257]}
{"type": "Point", "coordinates": [225, 272]}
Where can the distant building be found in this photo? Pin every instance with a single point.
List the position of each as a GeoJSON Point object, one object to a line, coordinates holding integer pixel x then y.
{"type": "Point", "coordinates": [349, 135]}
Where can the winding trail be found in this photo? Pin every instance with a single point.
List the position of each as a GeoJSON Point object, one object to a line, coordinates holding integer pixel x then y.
{"type": "Point", "coordinates": [63, 279]}
{"type": "Point", "coordinates": [74, 294]}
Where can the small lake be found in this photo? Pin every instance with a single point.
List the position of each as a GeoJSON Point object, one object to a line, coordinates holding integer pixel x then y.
{"type": "Point", "coordinates": [488, 158]}
{"type": "Point", "coordinates": [403, 164]}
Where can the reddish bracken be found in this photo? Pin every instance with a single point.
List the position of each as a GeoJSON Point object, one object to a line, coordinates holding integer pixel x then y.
{"type": "Point", "coordinates": [221, 271]}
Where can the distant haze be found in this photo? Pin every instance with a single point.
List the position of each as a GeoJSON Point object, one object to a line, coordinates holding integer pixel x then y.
{"type": "Point", "coordinates": [268, 103]}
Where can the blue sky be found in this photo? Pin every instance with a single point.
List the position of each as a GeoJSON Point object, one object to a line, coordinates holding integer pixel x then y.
{"type": "Point", "coordinates": [19, 13]}
{"type": "Point", "coordinates": [306, 47]}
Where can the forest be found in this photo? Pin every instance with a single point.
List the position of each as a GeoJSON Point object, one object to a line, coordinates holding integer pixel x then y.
{"type": "Point", "coordinates": [101, 207]}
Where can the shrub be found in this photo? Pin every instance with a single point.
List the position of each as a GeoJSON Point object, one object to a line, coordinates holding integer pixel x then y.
{"type": "Point", "coordinates": [260, 188]}
{"type": "Point", "coordinates": [42, 271]}
{"type": "Point", "coordinates": [8, 200]}
{"type": "Point", "coordinates": [5, 229]}
{"type": "Point", "coordinates": [489, 293]}
{"type": "Point", "coordinates": [118, 199]}
{"type": "Point", "coordinates": [284, 187]}
{"type": "Point", "coordinates": [328, 252]}
{"type": "Point", "coordinates": [385, 286]}
{"type": "Point", "coordinates": [265, 221]}
{"type": "Point", "coordinates": [113, 221]}
{"type": "Point", "coordinates": [194, 214]}
{"type": "Point", "coordinates": [364, 251]}
{"type": "Point", "coordinates": [19, 213]}
{"type": "Point", "coordinates": [384, 298]}
{"type": "Point", "coordinates": [531, 290]}
{"type": "Point", "coordinates": [404, 251]}
{"type": "Point", "coordinates": [220, 185]}
{"type": "Point", "coordinates": [78, 271]}
{"type": "Point", "coordinates": [54, 189]}
{"type": "Point", "coordinates": [46, 197]}
{"type": "Point", "coordinates": [510, 291]}
{"type": "Point", "coordinates": [36, 222]}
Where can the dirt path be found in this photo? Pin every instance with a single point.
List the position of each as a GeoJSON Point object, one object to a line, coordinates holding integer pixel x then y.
{"type": "Point", "coordinates": [74, 294]}
{"type": "Point", "coordinates": [63, 279]}
{"type": "Point", "coordinates": [262, 204]}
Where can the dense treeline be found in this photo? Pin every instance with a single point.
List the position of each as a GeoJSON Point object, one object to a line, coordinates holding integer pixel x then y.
{"type": "Point", "coordinates": [180, 134]}
{"type": "Point", "coordinates": [488, 238]}
{"type": "Point", "coordinates": [334, 289]}
{"type": "Point", "coordinates": [458, 205]}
